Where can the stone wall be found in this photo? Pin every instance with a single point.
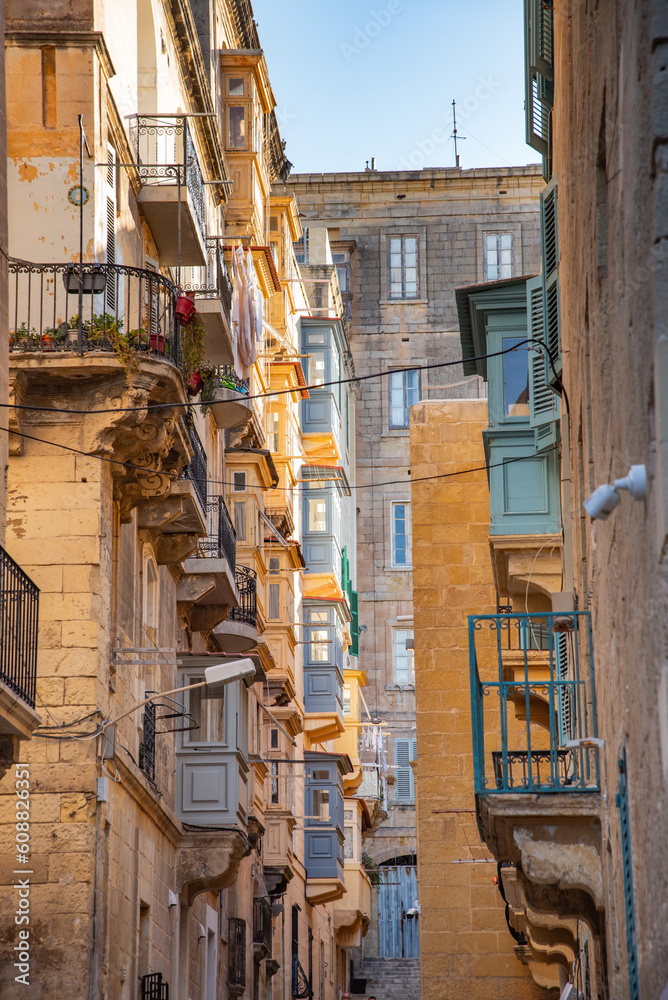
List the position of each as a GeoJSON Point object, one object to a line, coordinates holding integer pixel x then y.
{"type": "Point", "coordinates": [611, 162]}
{"type": "Point", "coordinates": [466, 949]}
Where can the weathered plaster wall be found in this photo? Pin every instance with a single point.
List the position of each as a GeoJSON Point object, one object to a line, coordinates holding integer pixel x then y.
{"type": "Point", "coordinates": [466, 950]}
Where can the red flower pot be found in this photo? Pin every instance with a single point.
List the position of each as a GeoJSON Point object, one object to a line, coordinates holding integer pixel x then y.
{"type": "Point", "coordinates": [194, 384]}
{"type": "Point", "coordinates": [185, 309]}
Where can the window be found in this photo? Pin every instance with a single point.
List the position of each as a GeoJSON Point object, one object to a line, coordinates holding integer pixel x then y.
{"type": "Point", "coordinates": [404, 393]}
{"type": "Point", "coordinates": [240, 521]}
{"type": "Point", "coordinates": [515, 378]}
{"type": "Point", "coordinates": [239, 481]}
{"type": "Point", "coordinates": [346, 699]}
{"type": "Point", "coordinates": [236, 127]}
{"type": "Point", "coordinates": [498, 256]}
{"type": "Point", "coordinates": [401, 534]}
{"type": "Point", "coordinates": [274, 565]}
{"type": "Point", "coordinates": [274, 780]}
{"type": "Point", "coordinates": [208, 713]}
{"type": "Point", "coordinates": [319, 645]}
{"type": "Point", "coordinates": [151, 593]}
{"type": "Point", "coordinates": [274, 433]}
{"type": "Point", "coordinates": [404, 665]}
{"type": "Point", "coordinates": [404, 752]}
{"type": "Point", "coordinates": [317, 366]}
{"type": "Point", "coordinates": [301, 248]}
{"type": "Point", "coordinates": [274, 601]}
{"type": "Point", "coordinates": [236, 86]}
{"type": "Point", "coordinates": [403, 267]}
{"type": "Point", "coordinates": [317, 514]}
{"type": "Point", "coordinates": [320, 805]}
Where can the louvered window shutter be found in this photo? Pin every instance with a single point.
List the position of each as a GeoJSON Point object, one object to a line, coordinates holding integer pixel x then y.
{"type": "Point", "coordinates": [404, 752]}
{"type": "Point", "coordinates": [355, 627]}
{"type": "Point", "coordinates": [111, 228]}
{"type": "Point", "coordinates": [274, 601]}
{"type": "Point", "coordinates": [543, 402]}
{"type": "Point", "coordinates": [539, 76]}
{"type": "Point", "coordinates": [550, 240]}
{"type": "Point", "coordinates": [564, 700]}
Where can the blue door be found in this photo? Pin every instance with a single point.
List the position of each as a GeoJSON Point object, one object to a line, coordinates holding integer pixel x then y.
{"type": "Point", "coordinates": [397, 894]}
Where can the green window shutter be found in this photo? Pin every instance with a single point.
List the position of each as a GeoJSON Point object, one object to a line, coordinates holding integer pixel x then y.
{"type": "Point", "coordinates": [543, 402]}
{"type": "Point", "coordinates": [345, 570]}
{"type": "Point", "coordinates": [538, 76]}
{"type": "Point", "coordinates": [564, 699]}
{"type": "Point", "coordinates": [540, 37]}
{"type": "Point", "coordinates": [355, 628]}
{"type": "Point", "coordinates": [550, 240]}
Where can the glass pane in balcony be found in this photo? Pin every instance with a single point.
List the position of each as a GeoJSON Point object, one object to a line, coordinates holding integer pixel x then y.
{"type": "Point", "coordinates": [208, 713]}
{"type": "Point", "coordinates": [237, 127]}
{"type": "Point", "coordinates": [515, 378]}
{"type": "Point", "coordinates": [321, 805]}
{"type": "Point", "coordinates": [317, 515]}
{"type": "Point", "coordinates": [319, 645]}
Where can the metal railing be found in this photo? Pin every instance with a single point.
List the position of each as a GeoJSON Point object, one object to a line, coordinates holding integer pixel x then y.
{"type": "Point", "coordinates": [19, 605]}
{"type": "Point", "coordinates": [262, 922]}
{"type": "Point", "coordinates": [301, 984]}
{"type": "Point", "coordinates": [236, 951]}
{"type": "Point", "coordinates": [165, 155]}
{"type": "Point", "coordinates": [222, 542]}
{"type": "Point", "coordinates": [533, 699]}
{"type": "Point", "coordinates": [153, 987]}
{"type": "Point", "coordinates": [219, 285]}
{"type": "Point", "coordinates": [197, 471]}
{"type": "Point", "coordinates": [246, 613]}
{"type": "Point", "coordinates": [228, 379]}
{"type": "Point", "coordinates": [95, 307]}
{"type": "Point", "coordinates": [147, 745]}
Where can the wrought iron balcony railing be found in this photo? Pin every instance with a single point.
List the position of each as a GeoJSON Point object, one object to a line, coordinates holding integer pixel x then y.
{"type": "Point", "coordinates": [95, 307]}
{"type": "Point", "coordinates": [236, 952]}
{"type": "Point", "coordinates": [219, 284]}
{"type": "Point", "coordinates": [153, 987]}
{"type": "Point", "coordinates": [147, 745]}
{"type": "Point", "coordinates": [222, 542]}
{"type": "Point", "coordinates": [301, 984]}
{"type": "Point", "coordinates": [262, 923]}
{"type": "Point", "coordinates": [227, 378]}
{"type": "Point", "coordinates": [533, 703]}
{"type": "Point", "coordinates": [165, 155]}
{"type": "Point", "coordinates": [246, 613]}
{"type": "Point", "coordinates": [19, 603]}
{"type": "Point", "coordinates": [197, 471]}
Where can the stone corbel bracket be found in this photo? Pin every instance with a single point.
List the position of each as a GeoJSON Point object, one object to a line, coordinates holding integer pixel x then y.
{"type": "Point", "coordinates": [208, 860]}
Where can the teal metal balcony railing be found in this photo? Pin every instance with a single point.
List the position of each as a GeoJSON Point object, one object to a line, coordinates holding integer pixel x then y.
{"type": "Point", "coordinates": [533, 703]}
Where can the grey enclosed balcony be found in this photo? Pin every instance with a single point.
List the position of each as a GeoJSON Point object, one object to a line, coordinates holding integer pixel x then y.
{"type": "Point", "coordinates": [172, 192]}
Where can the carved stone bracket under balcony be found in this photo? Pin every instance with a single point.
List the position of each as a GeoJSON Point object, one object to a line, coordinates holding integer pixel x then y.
{"type": "Point", "coordinates": [555, 841]}
{"type": "Point", "coordinates": [208, 860]}
{"type": "Point", "coordinates": [205, 592]}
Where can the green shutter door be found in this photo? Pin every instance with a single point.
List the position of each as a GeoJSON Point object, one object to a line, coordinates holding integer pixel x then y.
{"type": "Point", "coordinates": [355, 627]}
{"type": "Point", "coordinates": [550, 247]}
{"type": "Point", "coordinates": [543, 402]}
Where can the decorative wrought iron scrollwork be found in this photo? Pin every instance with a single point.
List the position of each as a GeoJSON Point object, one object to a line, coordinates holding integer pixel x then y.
{"type": "Point", "coordinates": [301, 985]}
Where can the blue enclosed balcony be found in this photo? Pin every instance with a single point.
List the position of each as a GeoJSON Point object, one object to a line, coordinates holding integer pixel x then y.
{"type": "Point", "coordinates": [537, 757]}
{"type": "Point", "coordinates": [323, 671]}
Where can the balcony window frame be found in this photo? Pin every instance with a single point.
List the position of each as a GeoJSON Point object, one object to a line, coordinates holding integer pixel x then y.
{"type": "Point", "coordinates": [497, 235]}
{"type": "Point", "coordinates": [410, 656]}
{"type": "Point", "coordinates": [405, 391]}
{"type": "Point", "coordinates": [402, 237]}
{"type": "Point", "coordinates": [408, 565]}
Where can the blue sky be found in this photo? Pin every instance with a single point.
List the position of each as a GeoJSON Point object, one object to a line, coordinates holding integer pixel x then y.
{"type": "Point", "coordinates": [355, 79]}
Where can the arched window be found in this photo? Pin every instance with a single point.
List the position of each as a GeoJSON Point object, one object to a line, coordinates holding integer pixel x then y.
{"type": "Point", "coordinates": [151, 602]}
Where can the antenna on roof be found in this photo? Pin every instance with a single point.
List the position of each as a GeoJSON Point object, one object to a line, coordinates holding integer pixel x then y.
{"type": "Point", "coordinates": [455, 135]}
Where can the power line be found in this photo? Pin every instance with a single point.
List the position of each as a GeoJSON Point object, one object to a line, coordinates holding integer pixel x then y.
{"type": "Point", "coordinates": [285, 489]}
{"type": "Point", "coordinates": [540, 345]}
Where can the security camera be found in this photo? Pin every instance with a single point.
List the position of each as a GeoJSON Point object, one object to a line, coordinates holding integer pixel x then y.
{"type": "Point", "coordinates": [603, 500]}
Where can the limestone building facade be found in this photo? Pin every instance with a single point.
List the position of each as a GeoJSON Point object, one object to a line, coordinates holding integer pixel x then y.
{"type": "Point", "coordinates": [402, 242]}
{"type": "Point", "coordinates": [182, 833]}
